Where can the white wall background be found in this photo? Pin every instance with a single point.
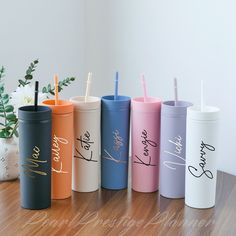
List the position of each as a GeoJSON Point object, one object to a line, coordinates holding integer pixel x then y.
{"type": "Point", "coordinates": [52, 31]}
{"type": "Point", "coordinates": [190, 40]}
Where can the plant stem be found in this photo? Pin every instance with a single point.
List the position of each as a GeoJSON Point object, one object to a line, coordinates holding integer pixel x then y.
{"type": "Point", "coordinates": [5, 115]}
{"type": "Point", "coordinates": [14, 128]}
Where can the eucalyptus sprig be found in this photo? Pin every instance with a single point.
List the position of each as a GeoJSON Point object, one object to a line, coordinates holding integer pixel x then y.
{"type": "Point", "coordinates": [9, 125]}
{"type": "Point", "coordinates": [65, 82]}
{"type": "Point", "coordinates": [8, 118]}
{"type": "Point", "coordinates": [28, 74]}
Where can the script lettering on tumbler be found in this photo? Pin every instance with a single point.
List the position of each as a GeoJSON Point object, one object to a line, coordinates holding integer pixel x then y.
{"type": "Point", "coordinates": [85, 144]}
{"type": "Point", "coordinates": [118, 143]}
{"type": "Point", "coordinates": [178, 146]}
{"type": "Point", "coordinates": [145, 158]}
{"type": "Point", "coordinates": [203, 161]}
{"type": "Point", "coordinates": [56, 142]}
{"type": "Point", "coordinates": [33, 164]}
{"type": "Point", "coordinates": [118, 140]}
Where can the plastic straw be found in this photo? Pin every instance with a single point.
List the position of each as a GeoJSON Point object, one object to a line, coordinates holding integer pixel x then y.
{"type": "Point", "coordinates": [144, 88]}
{"type": "Point", "coordinates": [176, 91]}
{"type": "Point", "coordinates": [87, 93]}
{"type": "Point", "coordinates": [36, 95]}
{"type": "Point", "coordinates": [56, 89]}
{"type": "Point", "coordinates": [202, 97]}
{"type": "Point", "coordinates": [116, 86]}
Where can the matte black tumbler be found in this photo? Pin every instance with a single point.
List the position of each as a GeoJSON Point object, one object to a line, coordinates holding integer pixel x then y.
{"type": "Point", "coordinates": [35, 156]}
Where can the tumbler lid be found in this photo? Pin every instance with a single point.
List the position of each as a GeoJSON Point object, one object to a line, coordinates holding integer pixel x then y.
{"type": "Point", "coordinates": [151, 105]}
{"type": "Point", "coordinates": [171, 109]}
{"type": "Point", "coordinates": [62, 107]}
{"type": "Point", "coordinates": [92, 103]}
{"type": "Point", "coordinates": [29, 113]}
{"type": "Point", "coordinates": [209, 113]}
{"type": "Point", "coordinates": [121, 103]}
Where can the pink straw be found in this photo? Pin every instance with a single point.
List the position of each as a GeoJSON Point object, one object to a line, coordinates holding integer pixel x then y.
{"type": "Point", "coordinates": [144, 88]}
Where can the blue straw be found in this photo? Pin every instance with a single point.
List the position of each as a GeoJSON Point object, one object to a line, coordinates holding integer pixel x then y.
{"type": "Point", "coordinates": [116, 86]}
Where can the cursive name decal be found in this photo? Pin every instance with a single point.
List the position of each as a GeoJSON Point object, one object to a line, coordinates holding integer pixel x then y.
{"type": "Point", "coordinates": [85, 144]}
{"type": "Point", "coordinates": [108, 156]}
{"type": "Point", "coordinates": [203, 161]}
{"type": "Point", "coordinates": [32, 165]}
{"type": "Point", "coordinates": [146, 159]}
{"type": "Point", "coordinates": [177, 142]}
{"type": "Point", "coordinates": [56, 153]}
{"type": "Point", "coordinates": [118, 142]}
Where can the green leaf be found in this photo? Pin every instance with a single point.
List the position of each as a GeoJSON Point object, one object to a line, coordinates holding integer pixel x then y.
{"type": "Point", "coordinates": [21, 82]}
{"type": "Point", "coordinates": [1, 89]}
{"type": "Point", "coordinates": [11, 123]}
{"type": "Point", "coordinates": [5, 101]}
{"type": "Point", "coordinates": [28, 77]}
{"type": "Point", "coordinates": [11, 117]}
{"type": "Point", "coordinates": [2, 71]}
{"type": "Point", "coordinates": [44, 90]}
{"type": "Point", "coordinates": [2, 134]}
{"type": "Point", "coordinates": [49, 87]}
{"type": "Point", "coordinates": [8, 128]}
{"type": "Point", "coordinates": [9, 108]}
{"type": "Point", "coordinates": [28, 72]}
{"type": "Point", "coordinates": [36, 61]}
{"type": "Point", "coordinates": [7, 133]}
{"type": "Point", "coordinates": [5, 96]}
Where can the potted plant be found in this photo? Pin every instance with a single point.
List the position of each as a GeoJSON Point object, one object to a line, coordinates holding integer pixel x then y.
{"type": "Point", "coordinates": [9, 104]}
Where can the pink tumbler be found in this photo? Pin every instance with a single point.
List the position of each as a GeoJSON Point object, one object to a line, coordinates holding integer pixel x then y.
{"type": "Point", "coordinates": [145, 123]}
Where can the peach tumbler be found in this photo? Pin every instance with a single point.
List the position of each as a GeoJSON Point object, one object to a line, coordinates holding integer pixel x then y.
{"type": "Point", "coordinates": [62, 141]}
{"type": "Point", "coordinates": [86, 161]}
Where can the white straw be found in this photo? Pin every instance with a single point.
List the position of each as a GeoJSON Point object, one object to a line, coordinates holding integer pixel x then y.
{"type": "Point", "coordinates": [87, 93]}
{"type": "Point", "coordinates": [176, 91]}
{"type": "Point", "coordinates": [202, 97]}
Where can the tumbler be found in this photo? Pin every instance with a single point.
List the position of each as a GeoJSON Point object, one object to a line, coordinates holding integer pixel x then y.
{"type": "Point", "coordinates": [173, 146]}
{"type": "Point", "coordinates": [62, 141]}
{"type": "Point", "coordinates": [86, 160]}
{"type": "Point", "coordinates": [145, 123]}
{"type": "Point", "coordinates": [201, 156]}
{"type": "Point", "coordinates": [115, 142]}
{"type": "Point", "coordinates": [35, 156]}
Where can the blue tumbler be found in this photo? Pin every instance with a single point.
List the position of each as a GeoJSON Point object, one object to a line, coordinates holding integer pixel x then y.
{"type": "Point", "coordinates": [115, 129]}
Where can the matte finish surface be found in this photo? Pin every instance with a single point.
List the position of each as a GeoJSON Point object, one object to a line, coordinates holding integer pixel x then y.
{"type": "Point", "coordinates": [173, 146]}
{"type": "Point", "coordinates": [115, 142]}
{"type": "Point", "coordinates": [35, 157]}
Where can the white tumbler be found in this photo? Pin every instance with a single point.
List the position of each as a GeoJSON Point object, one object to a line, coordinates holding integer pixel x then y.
{"type": "Point", "coordinates": [86, 160]}
{"type": "Point", "coordinates": [201, 156]}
